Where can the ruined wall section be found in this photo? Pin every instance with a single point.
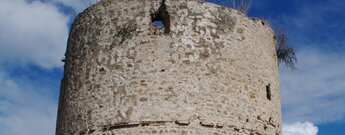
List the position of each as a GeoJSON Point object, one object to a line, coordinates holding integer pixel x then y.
{"type": "Point", "coordinates": [210, 70]}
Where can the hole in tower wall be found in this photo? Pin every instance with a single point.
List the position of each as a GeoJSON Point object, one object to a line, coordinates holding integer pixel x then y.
{"type": "Point", "coordinates": [263, 23]}
{"type": "Point", "coordinates": [161, 18]}
{"type": "Point", "coordinates": [268, 92]}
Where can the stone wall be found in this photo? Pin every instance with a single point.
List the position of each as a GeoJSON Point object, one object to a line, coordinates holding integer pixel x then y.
{"type": "Point", "coordinates": [209, 70]}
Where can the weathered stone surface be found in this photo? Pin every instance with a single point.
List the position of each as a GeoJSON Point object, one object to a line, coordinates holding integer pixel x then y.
{"type": "Point", "coordinates": [208, 71]}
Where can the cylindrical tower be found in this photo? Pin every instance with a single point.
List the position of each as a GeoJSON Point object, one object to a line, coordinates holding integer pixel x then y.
{"type": "Point", "coordinates": [172, 67]}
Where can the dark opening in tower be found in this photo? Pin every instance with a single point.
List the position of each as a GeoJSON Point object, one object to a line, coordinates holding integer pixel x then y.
{"type": "Point", "coordinates": [268, 91]}
{"type": "Point", "coordinates": [161, 18]}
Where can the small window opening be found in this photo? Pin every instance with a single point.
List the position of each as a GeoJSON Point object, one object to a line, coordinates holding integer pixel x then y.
{"type": "Point", "coordinates": [263, 23]}
{"type": "Point", "coordinates": [161, 18]}
{"type": "Point", "coordinates": [268, 92]}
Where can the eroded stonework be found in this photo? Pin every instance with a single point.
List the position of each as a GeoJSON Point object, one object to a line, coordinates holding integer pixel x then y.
{"type": "Point", "coordinates": [209, 70]}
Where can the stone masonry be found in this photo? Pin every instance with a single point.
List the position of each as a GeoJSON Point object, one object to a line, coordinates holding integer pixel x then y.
{"type": "Point", "coordinates": [207, 70]}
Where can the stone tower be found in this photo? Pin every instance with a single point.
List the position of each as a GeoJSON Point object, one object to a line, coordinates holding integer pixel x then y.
{"type": "Point", "coordinates": [206, 70]}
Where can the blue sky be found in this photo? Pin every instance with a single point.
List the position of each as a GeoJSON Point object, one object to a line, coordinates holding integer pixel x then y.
{"type": "Point", "coordinates": [33, 36]}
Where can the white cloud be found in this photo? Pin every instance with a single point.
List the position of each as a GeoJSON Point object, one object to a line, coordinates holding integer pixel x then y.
{"type": "Point", "coordinates": [76, 5]}
{"type": "Point", "coordinates": [316, 90]}
{"type": "Point", "coordinates": [35, 32]}
{"type": "Point", "coordinates": [25, 109]}
{"type": "Point", "coordinates": [306, 128]}
{"type": "Point", "coordinates": [32, 33]}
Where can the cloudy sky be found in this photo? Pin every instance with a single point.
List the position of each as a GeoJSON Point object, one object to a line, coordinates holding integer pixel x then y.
{"type": "Point", "coordinates": [33, 36]}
